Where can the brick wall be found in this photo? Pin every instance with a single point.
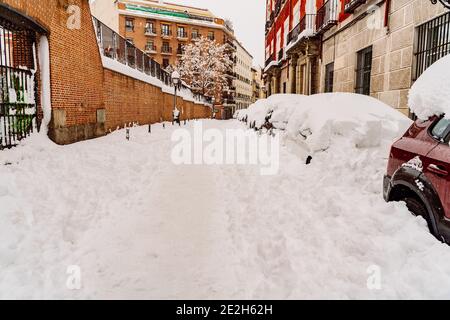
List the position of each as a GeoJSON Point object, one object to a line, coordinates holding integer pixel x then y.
{"type": "Point", "coordinates": [88, 100]}
{"type": "Point", "coordinates": [128, 100]}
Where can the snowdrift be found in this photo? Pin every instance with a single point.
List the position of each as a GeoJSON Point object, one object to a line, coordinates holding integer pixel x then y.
{"type": "Point", "coordinates": [316, 120]}
{"type": "Point", "coordinates": [430, 95]}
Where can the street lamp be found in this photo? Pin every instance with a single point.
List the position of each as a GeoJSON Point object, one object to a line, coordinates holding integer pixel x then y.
{"type": "Point", "coordinates": [176, 82]}
{"type": "Point", "coordinates": [445, 3]}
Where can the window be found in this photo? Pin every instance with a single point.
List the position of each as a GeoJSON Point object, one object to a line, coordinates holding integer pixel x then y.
{"type": "Point", "coordinates": [166, 47]}
{"type": "Point", "coordinates": [129, 25]}
{"type": "Point", "coordinates": [363, 71]}
{"type": "Point", "coordinates": [195, 33]}
{"type": "Point", "coordinates": [211, 35]}
{"type": "Point", "coordinates": [150, 27]}
{"type": "Point", "coordinates": [150, 46]}
{"type": "Point", "coordinates": [165, 63]}
{"type": "Point", "coordinates": [440, 130]}
{"type": "Point", "coordinates": [329, 77]}
{"type": "Point", "coordinates": [182, 32]}
{"type": "Point", "coordinates": [180, 49]}
{"type": "Point", "coordinates": [278, 43]}
{"type": "Point", "coordinates": [165, 30]}
{"type": "Point", "coordinates": [296, 14]}
{"type": "Point", "coordinates": [285, 35]}
{"type": "Point", "coordinates": [432, 42]}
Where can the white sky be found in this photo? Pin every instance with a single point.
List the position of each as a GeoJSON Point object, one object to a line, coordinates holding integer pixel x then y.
{"type": "Point", "coordinates": [248, 17]}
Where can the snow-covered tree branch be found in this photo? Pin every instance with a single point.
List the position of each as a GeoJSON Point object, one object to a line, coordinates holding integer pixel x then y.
{"type": "Point", "coordinates": [203, 66]}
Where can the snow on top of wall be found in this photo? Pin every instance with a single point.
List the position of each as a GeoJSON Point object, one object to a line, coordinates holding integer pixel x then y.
{"type": "Point", "coordinates": [316, 120]}
{"type": "Point", "coordinates": [121, 68]}
{"type": "Point", "coordinates": [430, 94]}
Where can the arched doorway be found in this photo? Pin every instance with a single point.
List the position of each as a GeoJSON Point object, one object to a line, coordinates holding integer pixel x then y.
{"type": "Point", "coordinates": [18, 76]}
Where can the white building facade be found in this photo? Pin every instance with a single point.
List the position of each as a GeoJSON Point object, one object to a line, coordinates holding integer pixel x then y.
{"type": "Point", "coordinates": [243, 83]}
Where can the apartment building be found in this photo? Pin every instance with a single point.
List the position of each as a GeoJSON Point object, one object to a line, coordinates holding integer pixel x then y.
{"type": "Point", "coordinates": [371, 47]}
{"type": "Point", "coordinates": [243, 62]}
{"type": "Point", "coordinates": [258, 88]}
{"type": "Point", "coordinates": [161, 29]}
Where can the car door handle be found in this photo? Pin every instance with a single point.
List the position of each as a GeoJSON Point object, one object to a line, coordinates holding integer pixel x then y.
{"type": "Point", "coordinates": [437, 170]}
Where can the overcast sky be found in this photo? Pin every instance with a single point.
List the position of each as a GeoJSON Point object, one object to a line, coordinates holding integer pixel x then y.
{"type": "Point", "coordinates": [248, 17]}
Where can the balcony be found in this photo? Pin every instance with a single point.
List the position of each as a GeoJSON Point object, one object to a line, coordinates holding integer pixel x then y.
{"type": "Point", "coordinates": [230, 74]}
{"type": "Point", "coordinates": [166, 34]}
{"type": "Point", "coordinates": [195, 36]}
{"type": "Point", "coordinates": [327, 16]}
{"type": "Point", "coordinates": [151, 49]}
{"type": "Point", "coordinates": [166, 50]}
{"type": "Point", "coordinates": [229, 102]}
{"type": "Point", "coordinates": [305, 28]}
{"type": "Point", "coordinates": [182, 35]}
{"type": "Point", "coordinates": [150, 32]}
{"type": "Point", "coordinates": [270, 59]}
{"type": "Point", "coordinates": [351, 5]}
{"type": "Point", "coordinates": [281, 54]}
{"type": "Point", "coordinates": [180, 51]}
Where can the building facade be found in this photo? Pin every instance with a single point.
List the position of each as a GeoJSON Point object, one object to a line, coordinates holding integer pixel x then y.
{"type": "Point", "coordinates": [162, 29]}
{"type": "Point", "coordinates": [243, 62]}
{"type": "Point", "coordinates": [257, 84]}
{"type": "Point", "coordinates": [371, 47]}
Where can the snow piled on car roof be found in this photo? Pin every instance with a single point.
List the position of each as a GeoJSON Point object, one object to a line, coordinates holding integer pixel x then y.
{"type": "Point", "coordinates": [430, 94]}
{"type": "Point", "coordinates": [318, 119]}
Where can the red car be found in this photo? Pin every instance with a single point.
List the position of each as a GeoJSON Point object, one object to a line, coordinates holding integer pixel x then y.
{"type": "Point", "coordinates": [418, 173]}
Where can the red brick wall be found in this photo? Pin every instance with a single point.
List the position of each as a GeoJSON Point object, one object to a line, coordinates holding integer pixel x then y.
{"type": "Point", "coordinates": [76, 72]}
{"type": "Point", "coordinates": [79, 83]}
{"type": "Point", "coordinates": [128, 100]}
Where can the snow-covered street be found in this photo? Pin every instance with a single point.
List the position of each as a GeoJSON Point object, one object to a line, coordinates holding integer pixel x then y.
{"type": "Point", "coordinates": [140, 227]}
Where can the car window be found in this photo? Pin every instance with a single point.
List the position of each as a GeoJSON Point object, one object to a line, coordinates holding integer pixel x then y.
{"type": "Point", "coordinates": [440, 129]}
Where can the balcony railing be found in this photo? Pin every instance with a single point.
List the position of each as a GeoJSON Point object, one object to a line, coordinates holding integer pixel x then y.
{"type": "Point", "coordinates": [270, 59]}
{"type": "Point", "coordinates": [306, 27]}
{"type": "Point", "coordinates": [327, 16]}
{"type": "Point", "coordinates": [182, 35]}
{"type": "Point", "coordinates": [151, 48]}
{"type": "Point", "coordinates": [229, 102]}
{"type": "Point", "coordinates": [150, 32]}
{"type": "Point", "coordinates": [351, 5]}
{"type": "Point", "coordinates": [166, 33]}
{"type": "Point", "coordinates": [115, 47]}
{"type": "Point", "coordinates": [280, 54]}
{"type": "Point", "coordinates": [166, 50]}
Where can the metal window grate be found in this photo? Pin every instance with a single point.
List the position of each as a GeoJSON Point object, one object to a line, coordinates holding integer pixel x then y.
{"type": "Point", "coordinates": [432, 43]}
{"type": "Point", "coordinates": [363, 71]}
{"type": "Point", "coordinates": [18, 85]}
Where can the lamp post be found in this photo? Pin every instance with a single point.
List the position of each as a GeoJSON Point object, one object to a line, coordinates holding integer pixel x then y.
{"type": "Point", "coordinates": [445, 3]}
{"type": "Point", "coordinates": [176, 82]}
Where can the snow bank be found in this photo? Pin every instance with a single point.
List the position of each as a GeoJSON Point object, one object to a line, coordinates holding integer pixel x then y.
{"type": "Point", "coordinates": [279, 106]}
{"type": "Point", "coordinates": [316, 120]}
{"type": "Point", "coordinates": [430, 95]}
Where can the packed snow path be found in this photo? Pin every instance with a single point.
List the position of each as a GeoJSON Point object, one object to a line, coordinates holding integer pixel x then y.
{"type": "Point", "coordinates": [140, 227]}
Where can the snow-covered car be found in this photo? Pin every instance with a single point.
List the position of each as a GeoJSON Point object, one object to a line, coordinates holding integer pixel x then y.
{"type": "Point", "coordinates": [419, 163]}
